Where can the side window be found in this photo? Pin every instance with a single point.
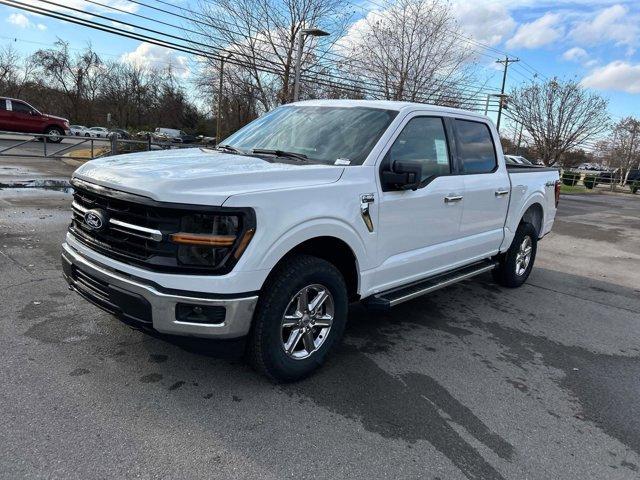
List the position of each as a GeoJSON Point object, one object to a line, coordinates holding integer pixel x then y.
{"type": "Point", "coordinates": [3, 104]}
{"type": "Point", "coordinates": [423, 139]}
{"type": "Point", "coordinates": [21, 107]}
{"type": "Point", "coordinates": [475, 147]}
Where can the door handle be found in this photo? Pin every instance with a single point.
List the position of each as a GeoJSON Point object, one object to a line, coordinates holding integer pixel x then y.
{"type": "Point", "coordinates": [500, 193]}
{"type": "Point", "coordinates": [452, 198]}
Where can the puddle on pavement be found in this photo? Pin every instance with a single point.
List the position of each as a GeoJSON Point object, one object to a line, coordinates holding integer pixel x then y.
{"type": "Point", "coordinates": [56, 185]}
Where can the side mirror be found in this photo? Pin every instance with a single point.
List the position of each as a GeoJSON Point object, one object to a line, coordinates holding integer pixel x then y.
{"type": "Point", "coordinates": [404, 175]}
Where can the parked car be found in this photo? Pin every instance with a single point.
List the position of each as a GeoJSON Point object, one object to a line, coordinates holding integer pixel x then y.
{"type": "Point", "coordinates": [100, 132]}
{"type": "Point", "coordinates": [166, 134]}
{"type": "Point", "coordinates": [173, 135]}
{"type": "Point", "coordinates": [144, 135]}
{"type": "Point", "coordinates": [79, 131]}
{"type": "Point", "coordinates": [19, 116]}
{"type": "Point", "coordinates": [517, 160]}
{"type": "Point", "coordinates": [311, 206]}
{"type": "Point", "coordinates": [187, 138]}
{"type": "Point", "coordinates": [206, 140]}
{"type": "Point", "coordinates": [120, 133]}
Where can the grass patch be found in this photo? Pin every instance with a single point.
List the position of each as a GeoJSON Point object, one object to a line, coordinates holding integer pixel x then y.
{"type": "Point", "coordinates": [85, 153]}
{"type": "Point", "coordinates": [577, 190]}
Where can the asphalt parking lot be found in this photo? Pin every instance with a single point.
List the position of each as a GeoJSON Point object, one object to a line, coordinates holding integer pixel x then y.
{"type": "Point", "coordinates": [474, 381]}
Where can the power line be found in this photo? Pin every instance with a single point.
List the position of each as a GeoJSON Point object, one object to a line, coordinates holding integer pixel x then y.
{"type": "Point", "coordinates": [332, 77]}
{"type": "Point", "coordinates": [167, 44]}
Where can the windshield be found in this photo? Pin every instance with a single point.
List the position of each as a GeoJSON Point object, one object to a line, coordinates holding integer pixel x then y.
{"type": "Point", "coordinates": [323, 134]}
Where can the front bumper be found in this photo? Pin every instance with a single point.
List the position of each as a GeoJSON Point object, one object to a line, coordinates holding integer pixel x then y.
{"type": "Point", "coordinates": [138, 301]}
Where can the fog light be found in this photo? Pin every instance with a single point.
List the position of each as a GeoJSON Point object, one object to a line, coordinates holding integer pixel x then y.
{"type": "Point", "coordinates": [212, 314]}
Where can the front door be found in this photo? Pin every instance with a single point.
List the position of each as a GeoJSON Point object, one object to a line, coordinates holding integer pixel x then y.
{"type": "Point", "coordinates": [418, 230]}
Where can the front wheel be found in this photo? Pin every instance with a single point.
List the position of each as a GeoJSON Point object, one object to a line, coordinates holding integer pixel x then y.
{"type": "Point", "coordinates": [515, 265]}
{"type": "Point", "coordinates": [55, 133]}
{"type": "Point", "coordinates": [299, 319]}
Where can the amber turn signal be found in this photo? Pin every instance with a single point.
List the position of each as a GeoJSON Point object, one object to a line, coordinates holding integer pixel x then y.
{"type": "Point", "coordinates": [199, 239]}
{"type": "Point", "coordinates": [246, 238]}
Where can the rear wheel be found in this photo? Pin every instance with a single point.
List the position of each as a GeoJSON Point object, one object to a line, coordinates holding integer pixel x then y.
{"type": "Point", "coordinates": [515, 265]}
{"type": "Point", "coordinates": [55, 133]}
{"type": "Point", "coordinates": [299, 319]}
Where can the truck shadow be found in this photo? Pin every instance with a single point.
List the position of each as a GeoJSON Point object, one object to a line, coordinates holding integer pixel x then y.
{"type": "Point", "coordinates": [413, 406]}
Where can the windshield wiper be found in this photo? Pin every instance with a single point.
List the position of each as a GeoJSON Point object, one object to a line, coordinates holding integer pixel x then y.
{"type": "Point", "coordinates": [228, 148]}
{"type": "Point", "coordinates": [279, 153]}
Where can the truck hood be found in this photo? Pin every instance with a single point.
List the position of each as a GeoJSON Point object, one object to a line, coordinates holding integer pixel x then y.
{"type": "Point", "coordinates": [200, 176]}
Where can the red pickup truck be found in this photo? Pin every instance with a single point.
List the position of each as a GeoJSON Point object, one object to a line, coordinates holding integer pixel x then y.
{"type": "Point", "coordinates": [19, 116]}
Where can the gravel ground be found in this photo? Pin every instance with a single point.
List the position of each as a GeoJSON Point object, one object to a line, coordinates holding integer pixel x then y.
{"type": "Point", "coordinates": [474, 381]}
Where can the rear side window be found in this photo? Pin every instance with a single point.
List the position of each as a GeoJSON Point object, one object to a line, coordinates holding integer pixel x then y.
{"type": "Point", "coordinates": [423, 140]}
{"type": "Point", "coordinates": [21, 107]}
{"type": "Point", "coordinates": [475, 147]}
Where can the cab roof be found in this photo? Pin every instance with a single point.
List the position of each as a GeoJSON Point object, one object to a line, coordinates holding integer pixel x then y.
{"type": "Point", "coordinates": [390, 105]}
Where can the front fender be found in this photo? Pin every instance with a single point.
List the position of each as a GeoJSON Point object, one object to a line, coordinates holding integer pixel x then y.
{"type": "Point", "coordinates": [318, 227]}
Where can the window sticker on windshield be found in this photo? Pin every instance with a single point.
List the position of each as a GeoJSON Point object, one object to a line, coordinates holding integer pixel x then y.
{"type": "Point", "coordinates": [342, 161]}
{"type": "Point", "coordinates": [441, 151]}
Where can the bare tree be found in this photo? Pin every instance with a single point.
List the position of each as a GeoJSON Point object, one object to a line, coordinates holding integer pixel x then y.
{"type": "Point", "coordinates": [624, 146]}
{"type": "Point", "coordinates": [410, 52]}
{"type": "Point", "coordinates": [15, 72]}
{"type": "Point", "coordinates": [558, 116]}
{"type": "Point", "coordinates": [262, 35]}
{"type": "Point", "coordinates": [68, 72]}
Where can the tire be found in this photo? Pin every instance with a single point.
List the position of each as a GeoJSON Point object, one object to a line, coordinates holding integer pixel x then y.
{"type": "Point", "coordinates": [270, 336]}
{"type": "Point", "coordinates": [513, 269]}
{"type": "Point", "coordinates": [54, 131]}
{"type": "Point", "coordinates": [87, 135]}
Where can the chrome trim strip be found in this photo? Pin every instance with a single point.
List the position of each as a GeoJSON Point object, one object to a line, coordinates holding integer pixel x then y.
{"type": "Point", "coordinates": [155, 235]}
{"type": "Point", "coordinates": [151, 234]}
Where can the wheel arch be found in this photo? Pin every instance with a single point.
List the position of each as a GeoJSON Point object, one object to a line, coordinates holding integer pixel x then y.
{"type": "Point", "coordinates": [334, 250]}
{"type": "Point", "coordinates": [534, 214]}
{"type": "Point", "coordinates": [52, 125]}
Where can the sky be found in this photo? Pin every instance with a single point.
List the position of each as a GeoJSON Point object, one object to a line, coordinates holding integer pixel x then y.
{"type": "Point", "coordinates": [593, 41]}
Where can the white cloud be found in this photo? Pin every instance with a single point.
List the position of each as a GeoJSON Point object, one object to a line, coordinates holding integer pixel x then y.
{"type": "Point", "coordinates": [155, 56]}
{"type": "Point", "coordinates": [21, 21]}
{"type": "Point", "coordinates": [540, 32]}
{"type": "Point", "coordinates": [488, 23]}
{"type": "Point", "coordinates": [617, 75]}
{"type": "Point", "coordinates": [575, 54]}
{"type": "Point", "coordinates": [615, 24]}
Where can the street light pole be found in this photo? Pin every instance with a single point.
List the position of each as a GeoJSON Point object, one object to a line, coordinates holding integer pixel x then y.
{"type": "Point", "coordinates": [302, 34]}
{"type": "Point", "coordinates": [219, 114]}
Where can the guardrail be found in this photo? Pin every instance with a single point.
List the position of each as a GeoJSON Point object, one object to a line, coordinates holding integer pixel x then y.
{"type": "Point", "coordinates": [94, 147]}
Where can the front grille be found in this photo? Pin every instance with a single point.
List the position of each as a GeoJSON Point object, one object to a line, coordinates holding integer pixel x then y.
{"type": "Point", "coordinates": [138, 228]}
{"type": "Point", "coordinates": [120, 239]}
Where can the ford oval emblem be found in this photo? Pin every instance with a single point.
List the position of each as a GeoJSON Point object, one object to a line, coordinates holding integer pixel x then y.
{"type": "Point", "coordinates": [95, 219]}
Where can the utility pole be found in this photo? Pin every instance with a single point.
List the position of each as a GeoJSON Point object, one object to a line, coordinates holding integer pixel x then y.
{"type": "Point", "coordinates": [506, 63]}
{"type": "Point", "coordinates": [219, 114]}
{"type": "Point", "coordinates": [519, 140]}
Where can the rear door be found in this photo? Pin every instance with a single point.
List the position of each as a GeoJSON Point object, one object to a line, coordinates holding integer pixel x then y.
{"type": "Point", "coordinates": [487, 188]}
{"type": "Point", "coordinates": [25, 118]}
{"type": "Point", "coordinates": [5, 115]}
{"type": "Point", "coordinates": [418, 230]}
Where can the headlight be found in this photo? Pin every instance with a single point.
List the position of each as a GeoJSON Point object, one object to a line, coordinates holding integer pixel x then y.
{"type": "Point", "coordinates": [212, 240]}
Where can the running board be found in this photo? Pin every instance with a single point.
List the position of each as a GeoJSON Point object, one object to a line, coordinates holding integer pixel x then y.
{"type": "Point", "coordinates": [391, 298]}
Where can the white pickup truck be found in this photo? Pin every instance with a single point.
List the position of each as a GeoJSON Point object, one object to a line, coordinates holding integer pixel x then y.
{"type": "Point", "coordinates": [312, 206]}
